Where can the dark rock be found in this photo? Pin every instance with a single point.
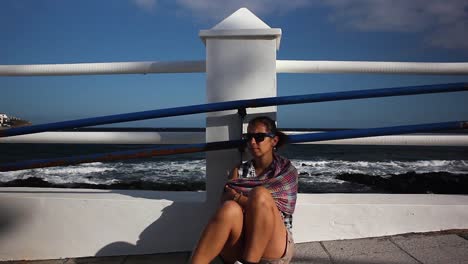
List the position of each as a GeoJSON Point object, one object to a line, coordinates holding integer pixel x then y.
{"type": "Point", "coordinates": [330, 187]}
{"type": "Point", "coordinates": [29, 182]}
{"type": "Point", "coordinates": [133, 185]}
{"type": "Point", "coordinates": [412, 182]}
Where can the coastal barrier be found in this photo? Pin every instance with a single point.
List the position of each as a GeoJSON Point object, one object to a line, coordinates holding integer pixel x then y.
{"type": "Point", "coordinates": [61, 223]}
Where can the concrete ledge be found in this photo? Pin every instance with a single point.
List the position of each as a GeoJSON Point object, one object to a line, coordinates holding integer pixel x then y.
{"type": "Point", "coordinates": [51, 223]}
{"type": "Point", "coordinates": [321, 217]}
{"type": "Point", "coordinates": [61, 223]}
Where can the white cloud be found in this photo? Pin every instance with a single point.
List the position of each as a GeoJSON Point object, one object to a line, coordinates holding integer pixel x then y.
{"type": "Point", "coordinates": [146, 5]}
{"type": "Point", "coordinates": [219, 9]}
{"type": "Point", "coordinates": [443, 23]}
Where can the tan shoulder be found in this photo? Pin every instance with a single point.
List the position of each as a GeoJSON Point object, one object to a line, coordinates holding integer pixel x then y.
{"type": "Point", "coordinates": [234, 173]}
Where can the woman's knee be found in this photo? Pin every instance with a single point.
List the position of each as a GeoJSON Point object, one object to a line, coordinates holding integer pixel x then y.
{"type": "Point", "coordinates": [229, 210]}
{"type": "Point", "coordinates": [260, 196]}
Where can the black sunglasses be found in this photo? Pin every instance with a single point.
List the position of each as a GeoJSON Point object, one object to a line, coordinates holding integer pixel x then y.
{"type": "Point", "coordinates": [259, 137]}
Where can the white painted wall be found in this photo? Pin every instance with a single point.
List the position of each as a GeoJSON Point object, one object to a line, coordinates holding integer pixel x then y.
{"type": "Point", "coordinates": [42, 223]}
{"type": "Point", "coordinates": [320, 217]}
{"type": "Point", "coordinates": [38, 223]}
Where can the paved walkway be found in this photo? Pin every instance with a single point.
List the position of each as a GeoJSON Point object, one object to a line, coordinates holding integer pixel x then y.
{"type": "Point", "coordinates": [447, 247]}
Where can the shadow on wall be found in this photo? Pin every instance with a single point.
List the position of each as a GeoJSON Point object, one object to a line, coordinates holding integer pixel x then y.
{"type": "Point", "coordinates": [177, 229]}
{"type": "Point", "coordinates": [10, 217]}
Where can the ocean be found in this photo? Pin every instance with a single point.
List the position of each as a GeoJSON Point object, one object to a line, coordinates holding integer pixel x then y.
{"type": "Point", "coordinates": [322, 169]}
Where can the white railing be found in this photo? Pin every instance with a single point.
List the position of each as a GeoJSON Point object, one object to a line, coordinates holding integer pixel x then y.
{"type": "Point", "coordinates": [109, 137]}
{"type": "Point", "coordinates": [142, 67]}
{"type": "Point", "coordinates": [282, 66]}
{"type": "Point", "coordinates": [106, 137]}
{"type": "Point", "coordinates": [446, 68]}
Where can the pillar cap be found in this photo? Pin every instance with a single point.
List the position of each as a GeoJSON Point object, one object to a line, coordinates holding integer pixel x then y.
{"type": "Point", "coordinates": [242, 24]}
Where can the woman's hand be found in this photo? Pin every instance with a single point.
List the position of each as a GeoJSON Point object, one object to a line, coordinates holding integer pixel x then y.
{"type": "Point", "coordinates": [228, 193]}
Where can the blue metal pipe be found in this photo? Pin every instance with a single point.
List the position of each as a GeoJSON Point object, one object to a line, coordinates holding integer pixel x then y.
{"type": "Point", "coordinates": [120, 155]}
{"type": "Point", "coordinates": [213, 107]}
{"type": "Point", "coordinates": [191, 148]}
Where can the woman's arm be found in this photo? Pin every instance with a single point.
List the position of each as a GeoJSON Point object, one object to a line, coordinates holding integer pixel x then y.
{"type": "Point", "coordinates": [234, 174]}
{"type": "Point", "coordinates": [231, 194]}
{"type": "Point", "coordinates": [242, 200]}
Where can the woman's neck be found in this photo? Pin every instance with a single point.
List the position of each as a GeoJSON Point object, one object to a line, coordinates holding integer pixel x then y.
{"type": "Point", "coordinates": [261, 163]}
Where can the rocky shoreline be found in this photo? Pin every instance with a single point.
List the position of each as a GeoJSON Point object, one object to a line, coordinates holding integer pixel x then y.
{"type": "Point", "coordinates": [411, 182]}
{"type": "Point", "coordinates": [133, 185]}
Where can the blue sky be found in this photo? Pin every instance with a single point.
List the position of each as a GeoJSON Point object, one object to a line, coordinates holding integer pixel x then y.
{"type": "Point", "coordinates": [63, 31]}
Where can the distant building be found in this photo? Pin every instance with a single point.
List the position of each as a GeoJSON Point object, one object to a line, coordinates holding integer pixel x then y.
{"type": "Point", "coordinates": [4, 120]}
{"type": "Point", "coordinates": [11, 121]}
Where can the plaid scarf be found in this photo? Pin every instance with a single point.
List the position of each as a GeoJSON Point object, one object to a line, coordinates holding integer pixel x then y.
{"type": "Point", "coordinates": [280, 178]}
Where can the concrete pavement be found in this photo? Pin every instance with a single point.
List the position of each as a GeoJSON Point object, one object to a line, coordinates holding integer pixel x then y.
{"type": "Point", "coordinates": [448, 247]}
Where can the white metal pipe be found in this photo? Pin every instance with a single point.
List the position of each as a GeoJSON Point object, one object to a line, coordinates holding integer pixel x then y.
{"type": "Point", "coordinates": [103, 68]}
{"type": "Point", "coordinates": [282, 66]}
{"type": "Point", "coordinates": [199, 137]}
{"type": "Point", "coordinates": [399, 140]}
{"type": "Point", "coordinates": [109, 138]}
{"type": "Point", "coordinates": [299, 66]}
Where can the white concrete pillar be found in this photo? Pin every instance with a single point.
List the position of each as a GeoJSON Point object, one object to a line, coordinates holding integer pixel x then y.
{"type": "Point", "coordinates": [240, 64]}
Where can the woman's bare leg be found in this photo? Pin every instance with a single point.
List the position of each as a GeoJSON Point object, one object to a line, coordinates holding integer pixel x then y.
{"type": "Point", "coordinates": [265, 233]}
{"type": "Point", "coordinates": [224, 228]}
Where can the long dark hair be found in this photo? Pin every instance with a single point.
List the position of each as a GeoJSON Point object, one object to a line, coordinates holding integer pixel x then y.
{"type": "Point", "coordinates": [271, 127]}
